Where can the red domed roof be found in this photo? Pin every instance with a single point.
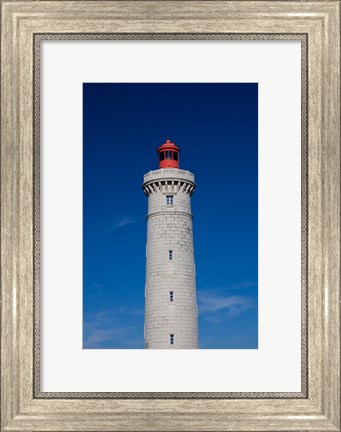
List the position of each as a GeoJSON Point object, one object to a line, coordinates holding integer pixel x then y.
{"type": "Point", "coordinates": [168, 145]}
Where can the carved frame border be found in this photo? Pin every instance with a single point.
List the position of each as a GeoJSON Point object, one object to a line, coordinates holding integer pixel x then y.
{"type": "Point", "coordinates": [319, 409]}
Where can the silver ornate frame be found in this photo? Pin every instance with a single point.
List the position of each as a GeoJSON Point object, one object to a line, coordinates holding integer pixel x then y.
{"type": "Point", "coordinates": [23, 406]}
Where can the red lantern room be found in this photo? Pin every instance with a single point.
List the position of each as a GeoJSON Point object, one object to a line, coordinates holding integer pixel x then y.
{"type": "Point", "coordinates": [168, 155]}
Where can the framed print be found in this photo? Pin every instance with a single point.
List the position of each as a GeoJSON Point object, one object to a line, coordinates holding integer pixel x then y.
{"type": "Point", "coordinates": [226, 307]}
{"type": "Point", "coordinates": [170, 215]}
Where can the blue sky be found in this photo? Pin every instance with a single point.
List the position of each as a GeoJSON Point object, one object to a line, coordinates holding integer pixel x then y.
{"type": "Point", "coordinates": [216, 127]}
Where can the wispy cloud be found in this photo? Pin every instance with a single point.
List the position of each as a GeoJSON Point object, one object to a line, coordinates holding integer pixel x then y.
{"type": "Point", "coordinates": [120, 222]}
{"type": "Point", "coordinates": [219, 304]}
{"type": "Point", "coordinates": [95, 338]}
{"type": "Point", "coordinates": [211, 302]}
{"type": "Point", "coordinates": [240, 285]}
{"type": "Point", "coordinates": [113, 328]}
{"type": "Point", "coordinates": [96, 285]}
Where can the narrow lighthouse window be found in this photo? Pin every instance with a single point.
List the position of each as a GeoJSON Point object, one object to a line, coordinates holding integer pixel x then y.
{"type": "Point", "coordinates": [170, 255]}
{"type": "Point", "coordinates": [171, 339]}
{"type": "Point", "coordinates": [171, 296]}
{"type": "Point", "coordinates": [169, 199]}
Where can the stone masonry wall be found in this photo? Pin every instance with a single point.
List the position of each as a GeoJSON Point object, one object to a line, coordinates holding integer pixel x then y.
{"type": "Point", "coordinates": [170, 229]}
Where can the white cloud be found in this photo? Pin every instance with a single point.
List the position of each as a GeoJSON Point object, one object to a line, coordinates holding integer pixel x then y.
{"type": "Point", "coordinates": [217, 305]}
{"type": "Point", "coordinates": [211, 302]}
{"type": "Point", "coordinates": [122, 222]}
{"type": "Point", "coordinates": [113, 328]}
{"type": "Point", "coordinates": [247, 284]}
{"type": "Point", "coordinates": [117, 335]}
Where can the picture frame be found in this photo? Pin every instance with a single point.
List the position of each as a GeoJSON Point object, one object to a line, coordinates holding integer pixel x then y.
{"type": "Point", "coordinates": [26, 23]}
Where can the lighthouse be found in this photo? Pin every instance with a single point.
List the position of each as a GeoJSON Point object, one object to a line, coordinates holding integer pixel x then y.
{"type": "Point", "coordinates": [171, 311]}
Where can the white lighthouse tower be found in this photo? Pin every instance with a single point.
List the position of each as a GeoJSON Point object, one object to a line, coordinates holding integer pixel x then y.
{"type": "Point", "coordinates": [171, 311]}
